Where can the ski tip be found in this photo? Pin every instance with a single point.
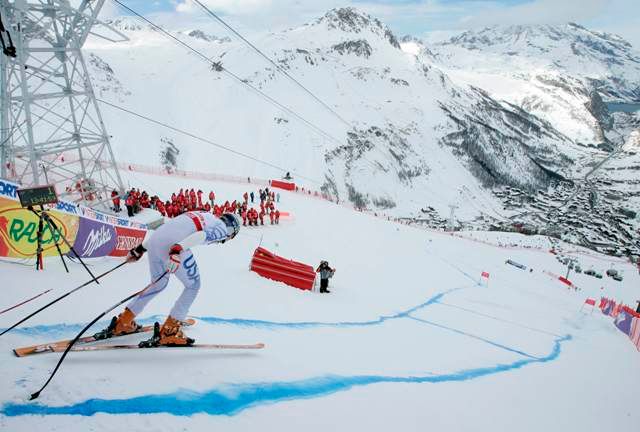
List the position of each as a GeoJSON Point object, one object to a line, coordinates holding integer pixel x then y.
{"type": "Point", "coordinates": [16, 353]}
{"type": "Point", "coordinates": [34, 396]}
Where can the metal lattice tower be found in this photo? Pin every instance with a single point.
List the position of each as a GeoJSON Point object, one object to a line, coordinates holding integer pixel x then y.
{"type": "Point", "coordinates": [52, 129]}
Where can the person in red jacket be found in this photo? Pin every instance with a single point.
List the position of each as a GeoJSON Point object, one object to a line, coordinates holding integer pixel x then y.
{"type": "Point", "coordinates": [200, 198]}
{"type": "Point", "coordinates": [277, 217]}
{"type": "Point", "coordinates": [261, 206]}
{"type": "Point", "coordinates": [212, 197]}
{"type": "Point", "coordinates": [115, 198]}
{"type": "Point", "coordinates": [246, 197]}
{"type": "Point", "coordinates": [129, 204]}
{"type": "Point", "coordinates": [262, 217]}
{"type": "Point", "coordinates": [244, 217]}
{"type": "Point", "coordinates": [271, 216]}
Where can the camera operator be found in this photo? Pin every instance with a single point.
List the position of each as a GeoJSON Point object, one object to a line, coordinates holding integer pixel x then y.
{"type": "Point", "coordinates": [326, 272]}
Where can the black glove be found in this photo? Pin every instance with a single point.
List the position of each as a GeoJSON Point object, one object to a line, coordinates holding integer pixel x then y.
{"type": "Point", "coordinates": [136, 253]}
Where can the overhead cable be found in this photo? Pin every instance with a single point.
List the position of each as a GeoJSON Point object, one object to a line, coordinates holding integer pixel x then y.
{"type": "Point", "coordinates": [277, 66]}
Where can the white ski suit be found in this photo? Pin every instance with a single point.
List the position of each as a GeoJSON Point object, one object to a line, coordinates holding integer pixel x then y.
{"type": "Point", "coordinates": [188, 230]}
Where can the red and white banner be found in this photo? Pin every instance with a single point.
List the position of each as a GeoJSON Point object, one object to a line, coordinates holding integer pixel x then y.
{"type": "Point", "coordinates": [590, 301]}
{"type": "Point", "coordinates": [127, 239]}
{"type": "Point", "coordinates": [634, 334]}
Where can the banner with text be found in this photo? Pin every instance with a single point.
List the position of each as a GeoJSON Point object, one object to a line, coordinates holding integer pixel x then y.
{"type": "Point", "coordinates": [92, 233]}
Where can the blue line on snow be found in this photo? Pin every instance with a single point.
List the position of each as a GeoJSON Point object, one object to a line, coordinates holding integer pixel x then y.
{"type": "Point", "coordinates": [64, 329]}
{"type": "Point", "coordinates": [309, 324]}
{"type": "Point", "coordinates": [232, 399]}
{"type": "Point", "coordinates": [490, 342]}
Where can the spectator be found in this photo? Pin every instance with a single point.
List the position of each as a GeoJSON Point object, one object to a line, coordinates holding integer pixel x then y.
{"type": "Point", "coordinates": [326, 272]}
{"type": "Point", "coordinates": [128, 202]}
{"type": "Point", "coordinates": [278, 197]}
{"type": "Point", "coordinates": [251, 195]}
{"type": "Point", "coordinates": [115, 198]}
{"type": "Point", "coordinates": [277, 217]}
{"type": "Point", "coordinates": [271, 217]}
{"type": "Point", "coordinates": [261, 217]}
{"type": "Point", "coordinates": [246, 197]}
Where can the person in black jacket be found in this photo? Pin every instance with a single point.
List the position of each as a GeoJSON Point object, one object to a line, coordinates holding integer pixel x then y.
{"type": "Point", "coordinates": [326, 272]}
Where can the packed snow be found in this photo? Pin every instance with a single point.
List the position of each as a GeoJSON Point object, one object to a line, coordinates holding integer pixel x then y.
{"type": "Point", "coordinates": [410, 336]}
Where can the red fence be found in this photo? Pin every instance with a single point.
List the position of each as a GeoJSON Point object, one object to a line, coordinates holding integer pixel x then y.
{"type": "Point", "coordinates": [283, 185]}
{"type": "Point", "coordinates": [271, 266]}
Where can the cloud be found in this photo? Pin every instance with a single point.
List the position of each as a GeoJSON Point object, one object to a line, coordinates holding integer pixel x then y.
{"type": "Point", "coordinates": [537, 12]}
{"type": "Point", "coordinates": [226, 6]}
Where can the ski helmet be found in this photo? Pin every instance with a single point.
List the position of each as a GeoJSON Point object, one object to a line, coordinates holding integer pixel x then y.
{"type": "Point", "coordinates": [232, 223]}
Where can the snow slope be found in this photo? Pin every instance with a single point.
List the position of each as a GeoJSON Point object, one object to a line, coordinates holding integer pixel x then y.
{"type": "Point", "coordinates": [407, 339]}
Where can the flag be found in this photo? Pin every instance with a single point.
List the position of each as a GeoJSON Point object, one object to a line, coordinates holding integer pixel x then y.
{"type": "Point", "coordinates": [634, 333]}
{"type": "Point", "coordinates": [608, 307]}
{"type": "Point", "coordinates": [485, 274]}
{"type": "Point", "coordinates": [590, 301]}
{"type": "Point", "coordinates": [623, 321]}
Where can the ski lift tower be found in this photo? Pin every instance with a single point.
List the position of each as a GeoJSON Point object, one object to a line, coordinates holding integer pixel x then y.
{"type": "Point", "coordinates": [52, 129]}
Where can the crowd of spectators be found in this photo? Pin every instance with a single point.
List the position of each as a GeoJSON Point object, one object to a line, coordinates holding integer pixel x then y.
{"type": "Point", "coordinates": [253, 207]}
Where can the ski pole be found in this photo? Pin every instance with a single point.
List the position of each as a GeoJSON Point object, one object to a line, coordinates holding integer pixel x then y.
{"type": "Point", "coordinates": [61, 297]}
{"type": "Point", "coordinates": [95, 320]}
{"type": "Point", "coordinates": [26, 301]}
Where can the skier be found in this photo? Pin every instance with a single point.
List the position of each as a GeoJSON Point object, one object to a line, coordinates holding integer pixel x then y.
{"type": "Point", "coordinates": [170, 251]}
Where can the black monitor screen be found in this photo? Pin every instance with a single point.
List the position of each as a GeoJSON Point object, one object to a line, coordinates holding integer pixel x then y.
{"type": "Point", "coordinates": [38, 195]}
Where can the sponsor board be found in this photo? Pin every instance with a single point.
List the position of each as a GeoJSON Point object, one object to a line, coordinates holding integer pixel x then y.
{"type": "Point", "coordinates": [94, 239]}
{"type": "Point", "coordinates": [19, 231]}
{"type": "Point", "coordinates": [127, 239]}
{"type": "Point", "coordinates": [8, 189]}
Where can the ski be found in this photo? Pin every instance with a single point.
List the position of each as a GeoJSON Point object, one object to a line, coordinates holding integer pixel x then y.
{"type": "Point", "coordinates": [132, 346]}
{"type": "Point", "coordinates": [62, 345]}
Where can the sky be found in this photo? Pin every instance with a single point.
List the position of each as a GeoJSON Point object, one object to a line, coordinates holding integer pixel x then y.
{"type": "Point", "coordinates": [429, 19]}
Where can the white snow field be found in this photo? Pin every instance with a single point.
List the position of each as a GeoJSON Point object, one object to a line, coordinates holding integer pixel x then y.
{"type": "Point", "coordinates": [407, 340]}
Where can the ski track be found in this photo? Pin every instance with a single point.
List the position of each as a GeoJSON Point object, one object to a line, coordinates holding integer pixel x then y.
{"type": "Point", "coordinates": [232, 399]}
{"type": "Point", "coordinates": [65, 329]}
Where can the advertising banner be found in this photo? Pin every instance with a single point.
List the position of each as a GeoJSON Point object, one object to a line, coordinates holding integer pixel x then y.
{"type": "Point", "coordinates": [94, 239]}
{"type": "Point", "coordinates": [92, 233]}
{"type": "Point", "coordinates": [126, 239]}
{"type": "Point", "coordinates": [19, 231]}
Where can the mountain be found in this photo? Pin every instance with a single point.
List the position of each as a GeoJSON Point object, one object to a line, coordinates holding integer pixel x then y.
{"type": "Point", "coordinates": [564, 74]}
{"type": "Point", "coordinates": [402, 134]}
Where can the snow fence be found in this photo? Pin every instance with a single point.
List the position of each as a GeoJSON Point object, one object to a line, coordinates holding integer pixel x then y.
{"type": "Point", "coordinates": [625, 319]}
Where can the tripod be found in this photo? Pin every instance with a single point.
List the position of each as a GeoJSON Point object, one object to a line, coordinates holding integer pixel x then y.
{"type": "Point", "coordinates": [44, 218]}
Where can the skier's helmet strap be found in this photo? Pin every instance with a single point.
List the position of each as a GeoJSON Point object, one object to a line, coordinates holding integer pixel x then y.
{"type": "Point", "coordinates": [232, 223]}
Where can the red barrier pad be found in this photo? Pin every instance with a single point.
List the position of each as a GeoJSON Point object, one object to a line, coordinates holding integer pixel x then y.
{"type": "Point", "coordinates": [565, 281]}
{"type": "Point", "coordinates": [272, 266]}
{"type": "Point", "coordinates": [283, 185]}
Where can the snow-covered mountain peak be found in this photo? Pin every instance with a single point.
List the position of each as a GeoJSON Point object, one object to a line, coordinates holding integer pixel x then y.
{"type": "Point", "coordinates": [127, 24]}
{"type": "Point", "coordinates": [552, 41]}
{"type": "Point", "coordinates": [352, 20]}
{"type": "Point", "coordinates": [605, 62]}
{"type": "Point", "coordinates": [199, 34]}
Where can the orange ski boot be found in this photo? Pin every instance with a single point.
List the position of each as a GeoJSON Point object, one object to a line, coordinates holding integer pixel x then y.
{"type": "Point", "coordinates": [121, 325]}
{"type": "Point", "coordinates": [171, 334]}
